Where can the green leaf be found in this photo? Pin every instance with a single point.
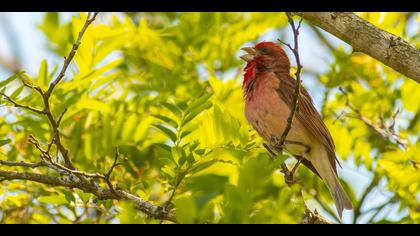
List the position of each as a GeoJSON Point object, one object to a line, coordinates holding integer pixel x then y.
{"type": "Point", "coordinates": [88, 149]}
{"type": "Point", "coordinates": [129, 127]}
{"type": "Point", "coordinates": [69, 196]}
{"type": "Point", "coordinates": [93, 104]}
{"type": "Point", "coordinates": [177, 154]}
{"type": "Point", "coordinates": [10, 79]}
{"type": "Point", "coordinates": [201, 166]}
{"type": "Point", "coordinates": [167, 120]}
{"type": "Point", "coordinates": [84, 196]}
{"type": "Point", "coordinates": [166, 131]}
{"type": "Point", "coordinates": [184, 133]}
{"type": "Point", "coordinates": [4, 142]}
{"type": "Point", "coordinates": [40, 218]}
{"type": "Point", "coordinates": [194, 112]}
{"type": "Point", "coordinates": [172, 108]}
{"type": "Point", "coordinates": [163, 146]}
{"type": "Point", "coordinates": [167, 161]}
{"type": "Point", "coordinates": [52, 19]}
{"type": "Point", "coordinates": [16, 93]}
{"type": "Point", "coordinates": [186, 210]}
{"type": "Point", "coordinates": [53, 199]}
{"type": "Point", "coordinates": [199, 102]}
{"type": "Point", "coordinates": [53, 71]}
{"type": "Point", "coordinates": [43, 75]}
{"type": "Point", "coordinates": [170, 174]}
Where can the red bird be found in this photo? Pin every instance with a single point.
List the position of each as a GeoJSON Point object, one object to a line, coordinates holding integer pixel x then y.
{"type": "Point", "coordinates": [268, 93]}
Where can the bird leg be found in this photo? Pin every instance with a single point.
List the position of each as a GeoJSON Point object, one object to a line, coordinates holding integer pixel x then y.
{"type": "Point", "coordinates": [289, 176]}
{"type": "Point", "coordinates": [272, 154]}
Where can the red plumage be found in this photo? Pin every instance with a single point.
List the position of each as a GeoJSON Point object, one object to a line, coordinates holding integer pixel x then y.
{"type": "Point", "coordinates": [268, 92]}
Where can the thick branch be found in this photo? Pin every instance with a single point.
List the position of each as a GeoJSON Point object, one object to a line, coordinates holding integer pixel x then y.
{"type": "Point", "coordinates": [313, 217]}
{"type": "Point", "coordinates": [367, 38]}
{"type": "Point", "coordinates": [90, 187]}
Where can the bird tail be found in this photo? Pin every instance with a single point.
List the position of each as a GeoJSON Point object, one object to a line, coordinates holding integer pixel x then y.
{"type": "Point", "coordinates": [319, 158]}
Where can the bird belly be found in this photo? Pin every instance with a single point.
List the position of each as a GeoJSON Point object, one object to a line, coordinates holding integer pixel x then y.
{"type": "Point", "coordinates": [268, 114]}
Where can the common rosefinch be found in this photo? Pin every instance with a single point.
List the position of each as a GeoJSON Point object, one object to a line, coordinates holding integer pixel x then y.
{"type": "Point", "coordinates": [268, 93]}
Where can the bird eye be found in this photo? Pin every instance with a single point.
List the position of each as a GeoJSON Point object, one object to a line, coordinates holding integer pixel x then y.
{"type": "Point", "coordinates": [264, 50]}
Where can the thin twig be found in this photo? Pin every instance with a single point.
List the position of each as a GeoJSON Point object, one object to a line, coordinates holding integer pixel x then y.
{"type": "Point", "coordinates": [15, 104]}
{"type": "Point", "coordinates": [34, 87]}
{"type": "Point", "coordinates": [69, 58]}
{"type": "Point", "coordinates": [296, 93]}
{"type": "Point", "coordinates": [385, 131]}
{"type": "Point", "coordinates": [108, 174]}
{"type": "Point", "coordinates": [55, 124]}
{"type": "Point", "coordinates": [24, 164]}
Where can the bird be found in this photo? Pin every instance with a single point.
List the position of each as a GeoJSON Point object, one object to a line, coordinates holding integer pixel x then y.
{"type": "Point", "coordinates": [268, 91]}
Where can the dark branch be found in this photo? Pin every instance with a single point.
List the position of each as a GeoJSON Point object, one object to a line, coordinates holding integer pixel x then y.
{"type": "Point", "coordinates": [90, 187]}
{"type": "Point", "coordinates": [296, 93]}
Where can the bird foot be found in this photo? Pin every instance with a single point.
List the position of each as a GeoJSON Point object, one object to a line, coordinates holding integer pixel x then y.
{"type": "Point", "coordinates": [289, 176]}
{"type": "Point", "coordinates": [272, 155]}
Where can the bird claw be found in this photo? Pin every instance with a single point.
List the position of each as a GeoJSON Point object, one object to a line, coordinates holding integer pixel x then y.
{"type": "Point", "coordinates": [289, 176]}
{"type": "Point", "coordinates": [291, 180]}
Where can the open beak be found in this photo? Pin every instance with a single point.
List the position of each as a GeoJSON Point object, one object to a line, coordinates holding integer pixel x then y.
{"type": "Point", "coordinates": [250, 56]}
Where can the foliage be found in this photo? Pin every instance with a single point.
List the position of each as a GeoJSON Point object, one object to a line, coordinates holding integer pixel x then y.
{"type": "Point", "coordinates": [166, 89]}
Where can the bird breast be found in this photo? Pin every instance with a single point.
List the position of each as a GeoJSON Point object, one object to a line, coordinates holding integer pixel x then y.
{"type": "Point", "coordinates": [268, 113]}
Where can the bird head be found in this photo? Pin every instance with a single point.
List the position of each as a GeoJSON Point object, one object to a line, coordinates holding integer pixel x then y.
{"type": "Point", "coordinates": [266, 56]}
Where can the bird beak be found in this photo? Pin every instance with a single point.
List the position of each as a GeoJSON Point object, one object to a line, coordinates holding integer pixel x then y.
{"type": "Point", "coordinates": [250, 56]}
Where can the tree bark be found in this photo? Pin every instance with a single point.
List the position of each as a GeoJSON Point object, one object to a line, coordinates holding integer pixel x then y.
{"type": "Point", "coordinates": [369, 39]}
{"type": "Point", "coordinates": [90, 187]}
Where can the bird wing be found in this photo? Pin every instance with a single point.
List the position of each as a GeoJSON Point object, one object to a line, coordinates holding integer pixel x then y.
{"type": "Point", "coordinates": [308, 115]}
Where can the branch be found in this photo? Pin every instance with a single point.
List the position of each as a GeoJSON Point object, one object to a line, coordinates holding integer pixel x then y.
{"type": "Point", "coordinates": [72, 177]}
{"type": "Point", "coordinates": [90, 187]}
{"type": "Point", "coordinates": [313, 217]}
{"type": "Point", "coordinates": [46, 95]}
{"type": "Point", "coordinates": [309, 216]}
{"type": "Point", "coordinates": [296, 93]}
{"type": "Point", "coordinates": [369, 39]}
{"type": "Point", "coordinates": [24, 164]}
{"type": "Point", "coordinates": [15, 104]}
{"type": "Point", "coordinates": [385, 131]}
{"type": "Point", "coordinates": [69, 58]}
